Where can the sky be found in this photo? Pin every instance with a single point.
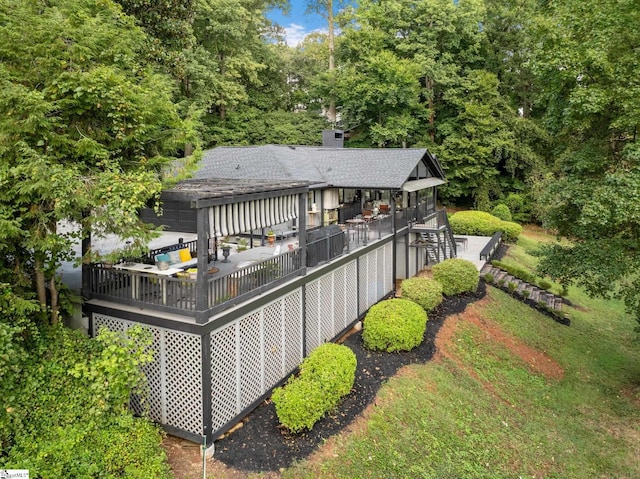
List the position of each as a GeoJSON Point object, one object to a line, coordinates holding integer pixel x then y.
{"type": "Point", "coordinates": [298, 24]}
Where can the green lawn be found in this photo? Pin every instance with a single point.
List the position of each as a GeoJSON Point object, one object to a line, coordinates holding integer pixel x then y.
{"type": "Point", "coordinates": [482, 413]}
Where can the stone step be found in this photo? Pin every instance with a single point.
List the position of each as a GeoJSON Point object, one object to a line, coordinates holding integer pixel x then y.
{"type": "Point", "coordinates": [486, 268]}
{"type": "Point", "coordinates": [500, 276]}
{"type": "Point", "coordinates": [535, 294]}
{"type": "Point", "coordinates": [557, 303]}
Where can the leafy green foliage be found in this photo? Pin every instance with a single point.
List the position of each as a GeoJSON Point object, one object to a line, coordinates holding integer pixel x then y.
{"type": "Point", "coordinates": [588, 62]}
{"type": "Point", "coordinates": [516, 271]}
{"type": "Point", "coordinates": [424, 291]}
{"type": "Point", "coordinates": [74, 391]}
{"type": "Point", "coordinates": [520, 206]}
{"type": "Point", "coordinates": [501, 212]}
{"type": "Point", "coordinates": [87, 129]}
{"type": "Point", "coordinates": [456, 276]}
{"type": "Point", "coordinates": [251, 126]}
{"type": "Point", "coordinates": [326, 375]}
{"type": "Point", "coordinates": [394, 325]}
{"type": "Point", "coordinates": [483, 224]}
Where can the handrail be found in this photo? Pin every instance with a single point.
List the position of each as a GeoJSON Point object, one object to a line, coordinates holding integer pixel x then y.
{"type": "Point", "coordinates": [452, 241]}
{"type": "Point", "coordinates": [491, 247]}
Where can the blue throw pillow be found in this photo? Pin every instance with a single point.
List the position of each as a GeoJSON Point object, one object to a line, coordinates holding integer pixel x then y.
{"type": "Point", "coordinates": [163, 257]}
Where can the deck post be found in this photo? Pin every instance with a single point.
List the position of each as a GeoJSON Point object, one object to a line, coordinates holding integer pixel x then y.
{"type": "Point", "coordinates": [205, 347]}
{"type": "Point", "coordinates": [203, 259]}
{"type": "Point", "coordinates": [302, 232]}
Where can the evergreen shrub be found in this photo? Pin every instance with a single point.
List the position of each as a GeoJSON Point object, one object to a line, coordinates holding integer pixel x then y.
{"type": "Point", "coordinates": [545, 284]}
{"type": "Point", "coordinates": [456, 276]}
{"type": "Point", "coordinates": [394, 325]}
{"type": "Point", "coordinates": [483, 224]}
{"type": "Point", "coordinates": [516, 271]}
{"type": "Point", "coordinates": [326, 375]}
{"type": "Point", "coordinates": [502, 212]}
{"type": "Point", "coordinates": [424, 291]}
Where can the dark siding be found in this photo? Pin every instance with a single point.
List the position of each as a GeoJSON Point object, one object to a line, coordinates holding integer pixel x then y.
{"type": "Point", "coordinates": [176, 216]}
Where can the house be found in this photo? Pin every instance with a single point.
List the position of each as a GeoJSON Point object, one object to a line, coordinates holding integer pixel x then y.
{"type": "Point", "coordinates": [225, 333]}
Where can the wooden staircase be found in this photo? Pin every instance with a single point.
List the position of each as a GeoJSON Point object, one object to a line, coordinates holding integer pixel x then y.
{"type": "Point", "coordinates": [435, 236]}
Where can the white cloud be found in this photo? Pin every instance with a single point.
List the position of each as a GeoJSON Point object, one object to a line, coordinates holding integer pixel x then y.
{"type": "Point", "coordinates": [295, 33]}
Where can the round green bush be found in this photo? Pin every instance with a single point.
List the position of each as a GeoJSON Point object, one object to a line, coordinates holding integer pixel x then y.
{"type": "Point", "coordinates": [545, 284]}
{"type": "Point", "coordinates": [456, 276]}
{"type": "Point", "coordinates": [424, 291]}
{"type": "Point", "coordinates": [326, 375]}
{"type": "Point", "coordinates": [394, 325]}
{"type": "Point", "coordinates": [483, 224]}
{"type": "Point", "coordinates": [501, 212]}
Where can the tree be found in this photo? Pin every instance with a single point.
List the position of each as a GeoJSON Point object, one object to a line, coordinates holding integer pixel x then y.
{"type": "Point", "coordinates": [477, 141]}
{"type": "Point", "coordinates": [86, 130]}
{"type": "Point", "coordinates": [588, 65]}
{"type": "Point", "coordinates": [381, 91]}
{"type": "Point", "coordinates": [325, 8]}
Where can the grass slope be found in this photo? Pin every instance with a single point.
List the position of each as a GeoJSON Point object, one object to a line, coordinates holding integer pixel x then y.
{"type": "Point", "coordinates": [513, 394]}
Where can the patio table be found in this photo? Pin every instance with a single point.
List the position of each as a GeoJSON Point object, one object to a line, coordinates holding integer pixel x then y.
{"type": "Point", "coordinates": [162, 274]}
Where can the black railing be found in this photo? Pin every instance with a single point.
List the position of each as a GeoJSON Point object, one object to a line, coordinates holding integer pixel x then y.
{"type": "Point", "coordinates": [252, 279]}
{"type": "Point", "coordinates": [489, 250]}
{"type": "Point", "coordinates": [141, 288]}
{"type": "Point", "coordinates": [325, 244]}
{"type": "Point", "coordinates": [348, 211]}
{"type": "Point", "coordinates": [180, 293]}
{"type": "Point", "coordinates": [192, 245]}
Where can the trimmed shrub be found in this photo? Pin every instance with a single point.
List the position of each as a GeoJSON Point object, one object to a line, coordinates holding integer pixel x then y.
{"type": "Point", "coordinates": [483, 224]}
{"type": "Point", "coordinates": [326, 375]}
{"type": "Point", "coordinates": [520, 207]}
{"type": "Point", "coordinates": [456, 276]}
{"type": "Point", "coordinates": [501, 212]}
{"type": "Point", "coordinates": [516, 271]}
{"type": "Point", "coordinates": [424, 291]}
{"type": "Point", "coordinates": [545, 284]}
{"type": "Point", "coordinates": [394, 325]}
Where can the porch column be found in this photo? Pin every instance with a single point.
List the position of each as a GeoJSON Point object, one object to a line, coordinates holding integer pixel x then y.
{"type": "Point", "coordinates": [302, 231]}
{"type": "Point", "coordinates": [202, 287]}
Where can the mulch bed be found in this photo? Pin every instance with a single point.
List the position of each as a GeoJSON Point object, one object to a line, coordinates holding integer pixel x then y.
{"type": "Point", "coordinates": [260, 445]}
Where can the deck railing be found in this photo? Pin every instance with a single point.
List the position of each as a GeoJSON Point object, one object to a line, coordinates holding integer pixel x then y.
{"type": "Point", "coordinates": [252, 279]}
{"type": "Point", "coordinates": [179, 294]}
{"type": "Point", "coordinates": [326, 248]}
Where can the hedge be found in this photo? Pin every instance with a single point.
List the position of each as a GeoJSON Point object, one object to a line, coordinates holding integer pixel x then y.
{"type": "Point", "coordinates": [326, 375]}
{"type": "Point", "coordinates": [394, 325]}
{"type": "Point", "coordinates": [456, 276]}
{"type": "Point", "coordinates": [501, 212]}
{"type": "Point", "coordinates": [483, 224]}
{"type": "Point", "coordinates": [424, 291]}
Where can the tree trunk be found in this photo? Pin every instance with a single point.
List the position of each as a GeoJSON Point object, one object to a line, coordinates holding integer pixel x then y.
{"type": "Point", "coordinates": [223, 110]}
{"type": "Point", "coordinates": [331, 114]}
{"type": "Point", "coordinates": [428, 83]}
{"type": "Point", "coordinates": [41, 289]}
{"type": "Point", "coordinates": [55, 310]}
{"type": "Point", "coordinates": [188, 149]}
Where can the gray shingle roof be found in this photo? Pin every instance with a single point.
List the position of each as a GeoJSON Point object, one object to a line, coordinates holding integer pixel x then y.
{"type": "Point", "coordinates": [382, 168]}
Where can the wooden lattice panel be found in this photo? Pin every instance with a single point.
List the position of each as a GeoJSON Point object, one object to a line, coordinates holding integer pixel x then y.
{"type": "Point", "coordinates": [174, 377]}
